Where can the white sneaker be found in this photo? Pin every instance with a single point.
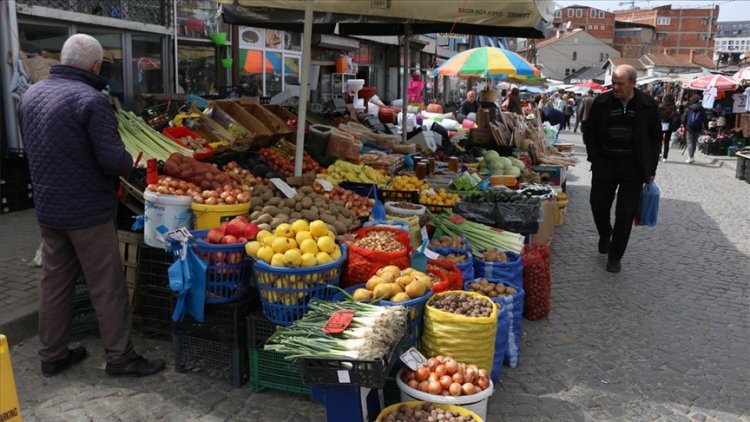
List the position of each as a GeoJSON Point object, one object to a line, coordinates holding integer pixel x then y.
{"type": "Point", "coordinates": [663, 160]}
{"type": "Point", "coordinates": [690, 160]}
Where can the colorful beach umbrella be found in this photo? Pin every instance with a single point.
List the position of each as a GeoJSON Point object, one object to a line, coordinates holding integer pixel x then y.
{"type": "Point", "coordinates": [584, 87]}
{"type": "Point", "coordinates": [720, 82]}
{"type": "Point", "coordinates": [487, 62]}
{"type": "Point", "coordinates": [253, 60]}
{"type": "Point", "coordinates": [742, 74]}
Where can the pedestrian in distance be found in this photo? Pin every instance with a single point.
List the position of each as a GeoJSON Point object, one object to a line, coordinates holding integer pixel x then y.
{"type": "Point", "coordinates": [75, 156]}
{"type": "Point", "coordinates": [469, 105]}
{"type": "Point", "coordinates": [670, 121]}
{"type": "Point", "coordinates": [694, 122]}
{"type": "Point", "coordinates": [623, 139]}
{"type": "Point", "coordinates": [584, 108]}
{"type": "Point", "coordinates": [568, 111]}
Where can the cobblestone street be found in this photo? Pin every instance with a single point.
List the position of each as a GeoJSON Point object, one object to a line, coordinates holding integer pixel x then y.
{"type": "Point", "coordinates": [668, 338]}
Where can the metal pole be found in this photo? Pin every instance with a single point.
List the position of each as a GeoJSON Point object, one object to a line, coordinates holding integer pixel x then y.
{"type": "Point", "coordinates": [304, 86]}
{"type": "Point", "coordinates": [405, 82]}
{"type": "Point", "coordinates": [176, 57]}
{"type": "Point", "coordinates": [8, 71]}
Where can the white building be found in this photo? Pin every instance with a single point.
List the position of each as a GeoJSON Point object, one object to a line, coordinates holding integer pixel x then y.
{"type": "Point", "coordinates": [732, 40]}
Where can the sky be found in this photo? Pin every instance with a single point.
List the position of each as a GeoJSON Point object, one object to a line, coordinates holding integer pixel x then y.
{"type": "Point", "coordinates": [729, 10]}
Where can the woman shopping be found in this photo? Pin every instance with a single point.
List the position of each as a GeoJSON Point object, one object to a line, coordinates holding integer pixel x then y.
{"type": "Point", "coordinates": [670, 121]}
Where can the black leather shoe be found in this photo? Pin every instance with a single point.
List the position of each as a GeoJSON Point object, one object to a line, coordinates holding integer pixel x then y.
{"type": "Point", "coordinates": [135, 367]}
{"type": "Point", "coordinates": [613, 265]}
{"type": "Point", "coordinates": [604, 244]}
{"type": "Point", "coordinates": [50, 369]}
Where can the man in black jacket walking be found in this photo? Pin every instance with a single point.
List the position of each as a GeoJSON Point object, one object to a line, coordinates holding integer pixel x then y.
{"type": "Point", "coordinates": [623, 138]}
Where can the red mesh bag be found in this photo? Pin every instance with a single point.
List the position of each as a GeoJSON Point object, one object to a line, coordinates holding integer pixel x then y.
{"type": "Point", "coordinates": [453, 277]}
{"type": "Point", "coordinates": [537, 281]}
{"type": "Point", "coordinates": [363, 263]}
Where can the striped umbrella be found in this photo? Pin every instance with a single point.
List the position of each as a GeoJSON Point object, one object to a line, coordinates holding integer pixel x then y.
{"type": "Point", "coordinates": [487, 62]}
{"type": "Point", "coordinates": [720, 82]}
{"type": "Point", "coordinates": [742, 74]}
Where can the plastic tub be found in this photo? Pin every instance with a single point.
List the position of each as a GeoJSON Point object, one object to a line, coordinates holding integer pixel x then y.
{"type": "Point", "coordinates": [458, 409]}
{"type": "Point", "coordinates": [476, 403]}
{"type": "Point", "coordinates": [210, 216]}
{"type": "Point", "coordinates": [393, 208]}
{"type": "Point", "coordinates": [164, 213]}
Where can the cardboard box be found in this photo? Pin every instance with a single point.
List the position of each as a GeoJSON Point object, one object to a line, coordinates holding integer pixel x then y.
{"type": "Point", "coordinates": [281, 112]}
{"type": "Point", "coordinates": [279, 128]}
{"type": "Point", "coordinates": [261, 134]}
{"type": "Point", "coordinates": [554, 175]}
{"type": "Point", "coordinates": [547, 228]}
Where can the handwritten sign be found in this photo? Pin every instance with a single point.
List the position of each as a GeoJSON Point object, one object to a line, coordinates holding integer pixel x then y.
{"type": "Point", "coordinates": [739, 104]}
{"type": "Point", "coordinates": [281, 185]}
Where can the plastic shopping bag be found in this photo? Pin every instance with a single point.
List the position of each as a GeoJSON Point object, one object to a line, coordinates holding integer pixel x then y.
{"type": "Point", "coordinates": [649, 209]}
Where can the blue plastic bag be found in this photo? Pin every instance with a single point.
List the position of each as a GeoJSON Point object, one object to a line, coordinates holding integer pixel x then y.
{"type": "Point", "coordinates": [649, 204]}
{"type": "Point", "coordinates": [466, 267]}
{"type": "Point", "coordinates": [514, 303]}
{"type": "Point", "coordinates": [510, 272]}
{"type": "Point", "coordinates": [187, 276]}
{"type": "Point", "coordinates": [501, 342]}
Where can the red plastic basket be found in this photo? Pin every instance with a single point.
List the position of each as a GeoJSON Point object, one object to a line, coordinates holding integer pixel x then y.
{"type": "Point", "coordinates": [175, 133]}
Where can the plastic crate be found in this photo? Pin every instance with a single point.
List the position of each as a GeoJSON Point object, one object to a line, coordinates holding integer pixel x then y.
{"type": "Point", "coordinates": [387, 195]}
{"type": "Point", "coordinates": [227, 321]}
{"type": "Point", "coordinates": [201, 351]}
{"type": "Point", "coordinates": [742, 163]}
{"type": "Point", "coordinates": [259, 329]}
{"type": "Point", "coordinates": [229, 269]}
{"type": "Point", "coordinates": [269, 369]}
{"type": "Point", "coordinates": [153, 264]}
{"type": "Point", "coordinates": [152, 311]}
{"type": "Point", "coordinates": [82, 324]}
{"type": "Point", "coordinates": [283, 299]}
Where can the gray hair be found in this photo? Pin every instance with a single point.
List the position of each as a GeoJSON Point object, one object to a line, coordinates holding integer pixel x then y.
{"type": "Point", "coordinates": [81, 51]}
{"type": "Point", "coordinates": [628, 70]}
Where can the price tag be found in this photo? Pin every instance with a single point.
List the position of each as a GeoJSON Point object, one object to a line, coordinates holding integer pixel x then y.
{"type": "Point", "coordinates": [338, 321]}
{"type": "Point", "coordinates": [423, 232]}
{"type": "Point", "coordinates": [431, 254]}
{"type": "Point", "coordinates": [287, 190]}
{"type": "Point", "coordinates": [179, 235]}
{"type": "Point", "coordinates": [412, 358]}
{"type": "Point", "coordinates": [457, 219]}
{"type": "Point", "coordinates": [344, 377]}
{"type": "Point", "coordinates": [327, 186]}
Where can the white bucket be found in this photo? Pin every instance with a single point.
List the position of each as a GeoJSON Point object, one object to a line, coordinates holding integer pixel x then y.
{"type": "Point", "coordinates": [477, 403]}
{"type": "Point", "coordinates": [169, 211]}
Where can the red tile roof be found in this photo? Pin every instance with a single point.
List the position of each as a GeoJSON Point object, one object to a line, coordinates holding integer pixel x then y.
{"type": "Point", "coordinates": [554, 39]}
{"type": "Point", "coordinates": [681, 60]}
{"type": "Point", "coordinates": [636, 63]}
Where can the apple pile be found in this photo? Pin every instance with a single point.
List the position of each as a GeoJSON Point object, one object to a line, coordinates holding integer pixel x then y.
{"type": "Point", "coordinates": [237, 230]}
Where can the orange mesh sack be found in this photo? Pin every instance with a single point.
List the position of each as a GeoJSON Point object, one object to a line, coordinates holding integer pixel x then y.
{"type": "Point", "coordinates": [363, 263]}
{"type": "Point", "coordinates": [452, 277]}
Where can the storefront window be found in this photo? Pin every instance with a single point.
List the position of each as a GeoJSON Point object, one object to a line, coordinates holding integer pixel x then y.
{"type": "Point", "coordinates": [197, 18]}
{"type": "Point", "coordinates": [112, 67]}
{"type": "Point", "coordinates": [273, 78]}
{"type": "Point", "coordinates": [148, 73]}
{"type": "Point", "coordinates": [197, 69]}
{"type": "Point", "coordinates": [45, 40]}
{"type": "Point", "coordinates": [291, 70]}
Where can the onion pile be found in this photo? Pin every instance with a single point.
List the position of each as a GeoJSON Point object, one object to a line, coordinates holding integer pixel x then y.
{"type": "Point", "coordinates": [241, 177]}
{"type": "Point", "coordinates": [204, 175]}
{"type": "Point", "coordinates": [172, 186]}
{"type": "Point", "coordinates": [358, 204]}
{"type": "Point", "coordinates": [445, 376]}
{"type": "Point", "coordinates": [223, 195]}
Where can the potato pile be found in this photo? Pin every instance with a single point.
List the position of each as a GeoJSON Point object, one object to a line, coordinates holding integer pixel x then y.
{"type": "Point", "coordinates": [447, 242]}
{"type": "Point", "coordinates": [492, 289]}
{"type": "Point", "coordinates": [425, 413]}
{"type": "Point", "coordinates": [269, 208]}
{"type": "Point", "coordinates": [394, 285]}
{"type": "Point", "coordinates": [462, 304]}
{"type": "Point", "coordinates": [455, 258]}
{"type": "Point", "coordinates": [492, 255]}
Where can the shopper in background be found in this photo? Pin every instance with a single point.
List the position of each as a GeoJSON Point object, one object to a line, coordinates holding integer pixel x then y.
{"type": "Point", "coordinates": [514, 101]}
{"type": "Point", "coordinates": [470, 105]}
{"type": "Point", "coordinates": [75, 156]}
{"type": "Point", "coordinates": [568, 111]}
{"type": "Point", "coordinates": [670, 121]}
{"type": "Point", "coordinates": [694, 121]}
{"type": "Point", "coordinates": [623, 138]}
{"type": "Point", "coordinates": [584, 108]}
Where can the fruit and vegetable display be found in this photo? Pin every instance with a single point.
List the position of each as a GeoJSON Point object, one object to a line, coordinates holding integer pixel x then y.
{"type": "Point", "coordinates": [171, 186]}
{"type": "Point", "coordinates": [140, 138]}
{"type": "Point", "coordinates": [425, 412]}
{"type": "Point", "coordinates": [381, 241]}
{"type": "Point", "coordinates": [490, 289]}
{"type": "Point", "coordinates": [236, 230]}
{"type": "Point", "coordinates": [300, 244]}
{"type": "Point", "coordinates": [491, 255]}
{"type": "Point", "coordinates": [447, 242]}
{"type": "Point", "coordinates": [444, 375]}
{"type": "Point", "coordinates": [462, 304]}
{"type": "Point", "coordinates": [408, 183]}
{"type": "Point", "coordinates": [479, 235]}
{"type": "Point", "coordinates": [269, 208]}
{"type": "Point", "coordinates": [356, 203]}
{"type": "Point", "coordinates": [371, 334]}
{"type": "Point", "coordinates": [497, 165]}
{"type": "Point", "coordinates": [344, 171]}
{"type": "Point", "coordinates": [455, 258]}
{"type": "Point", "coordinates": [466, 182]}
{"type": "Point", "coordinates": [394, 285]}
{"type": "Point", "coordinates": [280, 162]}
{"type": "Point", "coordinates": [204, 175]}
{"type": "Point", "coordinates": [241, 177]}
{"type": "Point", "coordinates": [441, 197]}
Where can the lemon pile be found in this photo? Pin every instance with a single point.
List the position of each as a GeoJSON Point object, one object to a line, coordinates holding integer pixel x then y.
{"type": "Point", "coordinates": [408, 183]}
{"type": "Point", "coordinates": [440, 197]}
{"type": "Point", "coordinates": [295, 245]}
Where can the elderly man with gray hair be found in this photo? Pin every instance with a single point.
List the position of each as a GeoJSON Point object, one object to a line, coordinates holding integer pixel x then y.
{"type": "Point", "coordinates": [75, 156]}
{"type": "Point", "coordinates": [623, 137]}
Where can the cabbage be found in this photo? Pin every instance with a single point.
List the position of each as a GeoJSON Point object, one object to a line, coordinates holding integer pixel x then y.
{"type": "Point", "coordinates": [506, 161]}
{"type": "Point", "coordinates": [517, 163]}
{"type": "Point", "coordinates": [491, 155]}
{"type": "Point", "coordinates": [513, 171]}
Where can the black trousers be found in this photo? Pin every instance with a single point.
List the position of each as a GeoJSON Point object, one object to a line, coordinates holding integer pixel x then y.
{"type": "Point", "coordinates": [610, 176]}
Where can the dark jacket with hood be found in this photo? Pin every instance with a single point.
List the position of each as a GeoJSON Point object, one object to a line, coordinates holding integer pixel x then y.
{"type": "Point", "coordinates": [646, 129]}
{"type": "Point", "coordinates": [698, 107]}
{"type": "Point", "coordinates": [74, 149]}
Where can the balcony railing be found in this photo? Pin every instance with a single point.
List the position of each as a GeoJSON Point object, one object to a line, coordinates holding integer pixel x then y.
{"type": "Point", "coordinates": [156, 12]}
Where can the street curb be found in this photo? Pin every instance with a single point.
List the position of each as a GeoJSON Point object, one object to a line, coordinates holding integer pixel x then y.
{"type": "Point", "coordinates": [20, 324]}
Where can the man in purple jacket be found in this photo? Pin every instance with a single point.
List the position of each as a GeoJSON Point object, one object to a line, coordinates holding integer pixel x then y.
{"type": "Point", "coordinates": [75, 157]}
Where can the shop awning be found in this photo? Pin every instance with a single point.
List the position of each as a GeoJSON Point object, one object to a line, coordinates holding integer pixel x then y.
{"type": "Point", "coordinates": [522, 18]}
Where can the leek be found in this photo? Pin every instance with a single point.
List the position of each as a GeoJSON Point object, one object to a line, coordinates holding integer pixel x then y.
{"type": "Point", "coordinates": [479, 235]}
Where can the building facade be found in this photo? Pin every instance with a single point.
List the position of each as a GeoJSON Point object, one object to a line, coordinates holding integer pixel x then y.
{"type": "Point", "coordinates": [596, 22]}
{"type": "Point", "coordinates": [633, 39]}
{"type": "Point", "coordinates": [564, 54]}
{"type": "Point", "coordinates": [732, 41]}
{"type": "Point", "coordinates": [678, 31]}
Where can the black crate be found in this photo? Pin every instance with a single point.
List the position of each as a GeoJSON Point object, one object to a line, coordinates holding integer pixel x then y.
{"type": "Point", "coordinates": [259, 329]}
{"type": "Point", "coordinates": [741, 165]}
{"type": "Point", "coordinates": [153, 264]}
{"type": "Point", "coordinates": [14, 174]}
{"type": "Point", "coordinates": [152, 313]}
{"type": "Point", "coordinates": [82, 324]}
{"type": "Point", "coordinates": [227, 321]}
{"type": "Point", "coordinates": [202, 351]}
{"type": "Point", "coordinates": [18, 200]}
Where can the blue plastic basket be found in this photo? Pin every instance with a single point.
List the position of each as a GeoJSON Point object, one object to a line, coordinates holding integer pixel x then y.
{"type": "Point", "coordinates": [228, 269]}
{"type": "Point", "coordinates": [285, 293]}
{"type": "Point", "coordinates": [414, 319]}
